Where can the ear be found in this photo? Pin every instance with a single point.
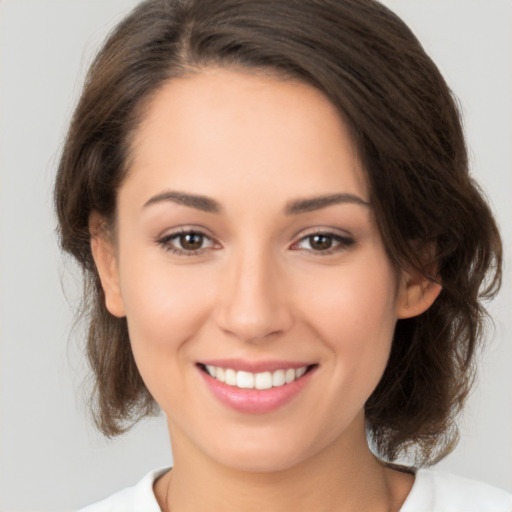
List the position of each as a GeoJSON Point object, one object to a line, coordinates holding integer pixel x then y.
{"type": "Point", "coordinates": [416, 294]}
{"type": "Point", "coordinates": [104, 254]}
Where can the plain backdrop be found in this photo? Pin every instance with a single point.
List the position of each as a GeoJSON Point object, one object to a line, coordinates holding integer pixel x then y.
{"type": "Point", "coordinates": [51, 459]}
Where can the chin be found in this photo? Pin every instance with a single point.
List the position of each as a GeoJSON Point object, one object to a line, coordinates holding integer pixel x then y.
{"type": "Point", "coordinates": [264, 453]}
{"type": "Point", "coordinates": [260, 462]}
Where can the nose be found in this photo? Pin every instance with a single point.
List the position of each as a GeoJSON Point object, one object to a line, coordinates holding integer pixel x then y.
{"type": "Point", "coordinates": [255, 302]}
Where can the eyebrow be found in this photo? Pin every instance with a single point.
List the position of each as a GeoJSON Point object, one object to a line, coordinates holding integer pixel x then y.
{"type": "Point", "coordinates": [316, 203]}
{"type": "Point", "coordinates": [202, 203]}
{"type": "Point", "coordinates": [295, 207]}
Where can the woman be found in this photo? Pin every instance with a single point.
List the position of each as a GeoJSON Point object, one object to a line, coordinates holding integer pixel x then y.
{"type": "Point", "coordinates": [284, 251]}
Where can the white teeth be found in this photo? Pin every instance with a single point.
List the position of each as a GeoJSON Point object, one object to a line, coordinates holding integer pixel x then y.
{"type": "Point", "coordinates": [263, 380]}
{"type": "Point", "coordinates": [278, 378]}
{"type": "Point", "coordinates": [249, 380]}
{"type": "Point", "coordinates": [299, 372]}
{"type": "Point", "coordinates": [230, 377]}
{"type": "Point", "coordinates": [289, 376]}
{"type": "Point", "coordinates": [245, 380]}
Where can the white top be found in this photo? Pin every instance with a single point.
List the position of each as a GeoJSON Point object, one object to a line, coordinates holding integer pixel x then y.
{"type": "Point", "coordinates": [433, 491]}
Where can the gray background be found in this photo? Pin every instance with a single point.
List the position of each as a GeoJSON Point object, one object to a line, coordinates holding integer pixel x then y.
{"type": "Point", "coordinates": [50, 457]}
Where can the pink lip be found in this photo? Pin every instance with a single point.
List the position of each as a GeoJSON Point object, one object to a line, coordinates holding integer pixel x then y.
{"type": "Point", "coordinates": [252, 400]}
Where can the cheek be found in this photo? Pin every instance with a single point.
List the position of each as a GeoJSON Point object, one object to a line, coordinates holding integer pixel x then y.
{"type": "Point", "coordinates": [354, 298]}
{"type": "Point", "coordinates": [165, 306]}
{"type": "Point", "coordinates": [157, 306]}
{"type": "Point", "coordinates": [356, 319]}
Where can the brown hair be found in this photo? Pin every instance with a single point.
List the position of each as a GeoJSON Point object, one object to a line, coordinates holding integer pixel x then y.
{"type": "Point", "coordinates": [407, 127]}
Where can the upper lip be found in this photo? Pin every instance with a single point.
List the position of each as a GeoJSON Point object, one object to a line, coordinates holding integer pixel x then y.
{"type": "Point", "coordinates": [255, 366]}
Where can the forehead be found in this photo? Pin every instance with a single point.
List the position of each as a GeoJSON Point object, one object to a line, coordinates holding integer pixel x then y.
{"type": "Point", "coordinates": [222, 129]}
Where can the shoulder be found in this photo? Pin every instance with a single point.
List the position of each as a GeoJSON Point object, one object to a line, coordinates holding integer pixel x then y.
{"type": "Point", "coordinates": [132, 499]}
{"type": "Point", "coordinates": [434, 491]}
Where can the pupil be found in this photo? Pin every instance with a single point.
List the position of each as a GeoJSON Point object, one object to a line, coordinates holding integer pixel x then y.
{"type": "Point", "coordinates": [319, 242]}
{"type": "Point", "coordinates": [191, 241]}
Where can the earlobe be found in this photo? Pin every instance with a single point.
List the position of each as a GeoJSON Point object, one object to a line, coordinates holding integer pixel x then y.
{"type": "Point", "coordinates": [417, 294]}
{"type": "Point", "coordinates": [103, 252]}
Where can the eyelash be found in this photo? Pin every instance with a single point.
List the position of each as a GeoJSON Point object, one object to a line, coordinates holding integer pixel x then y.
{"type": "Point", "coordinates": [166, 242]}
{"type": "Point", "coordinates": [343, 242]}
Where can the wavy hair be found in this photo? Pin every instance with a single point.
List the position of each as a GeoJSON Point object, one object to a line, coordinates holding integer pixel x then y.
{"type": "Point", "coordinates": [407, 127]}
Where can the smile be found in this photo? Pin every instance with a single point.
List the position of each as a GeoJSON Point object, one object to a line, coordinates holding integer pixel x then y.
{"type": "Point", "coordinates": [260, 381]}
{"type": "Point", "coordinates": [255, 388]}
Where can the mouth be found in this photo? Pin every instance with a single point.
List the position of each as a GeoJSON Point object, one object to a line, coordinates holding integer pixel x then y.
{"type": "Point", "coordinates": [259, 381]}
{"type": "Point", "coordinates": [255, 388]}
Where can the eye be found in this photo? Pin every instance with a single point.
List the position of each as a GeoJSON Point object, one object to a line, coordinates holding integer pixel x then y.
{"type": "Point", "coordinates": [186, 243]}
{"type": "Point", "coordinates": [323, 243]}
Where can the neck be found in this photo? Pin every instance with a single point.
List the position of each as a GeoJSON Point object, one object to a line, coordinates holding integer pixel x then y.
{"type": "Point", "coordinates": [344, 476]}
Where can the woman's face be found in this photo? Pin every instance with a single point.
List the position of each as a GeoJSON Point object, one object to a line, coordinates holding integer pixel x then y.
{"type": "Point", "coordinates": [247, 252]}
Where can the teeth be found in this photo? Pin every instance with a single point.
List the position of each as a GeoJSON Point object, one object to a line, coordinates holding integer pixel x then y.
{"type": "Point", "coordinates": [249, 380]}
{"type": "Point", "coordinates": [230, 377]}
{"type": "Point", "coordinates": [289, 376]}
{"type": "Point", "coordinates": [245, 380]}
{"type": "Point", "coordinates": [263, 380]}
{"type": "Point", "coordinates": [300, 372]}
{"type": "Point", "coordinates": [278, 378]}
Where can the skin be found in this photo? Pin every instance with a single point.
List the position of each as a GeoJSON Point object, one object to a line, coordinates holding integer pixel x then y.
{"type": "Point", "coordinates": [257, 290]}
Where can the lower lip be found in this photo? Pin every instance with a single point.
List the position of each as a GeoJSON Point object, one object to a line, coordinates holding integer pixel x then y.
{"type": "Point", "coordinates": [256, 401]}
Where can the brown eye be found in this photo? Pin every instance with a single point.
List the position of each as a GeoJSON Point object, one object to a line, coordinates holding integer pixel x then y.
{"type": "Point", "coordinates": [191, 241]}
{"type": "Point", "coordinates": [324, 243]}
{"type": "Point", "coordinates": [186, 243]}
{"type": "Point", "coordinates": [320, 242]}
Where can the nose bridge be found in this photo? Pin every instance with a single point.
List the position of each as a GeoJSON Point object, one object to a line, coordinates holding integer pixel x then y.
{"type": "Point", "coordinates": [253, 303]}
